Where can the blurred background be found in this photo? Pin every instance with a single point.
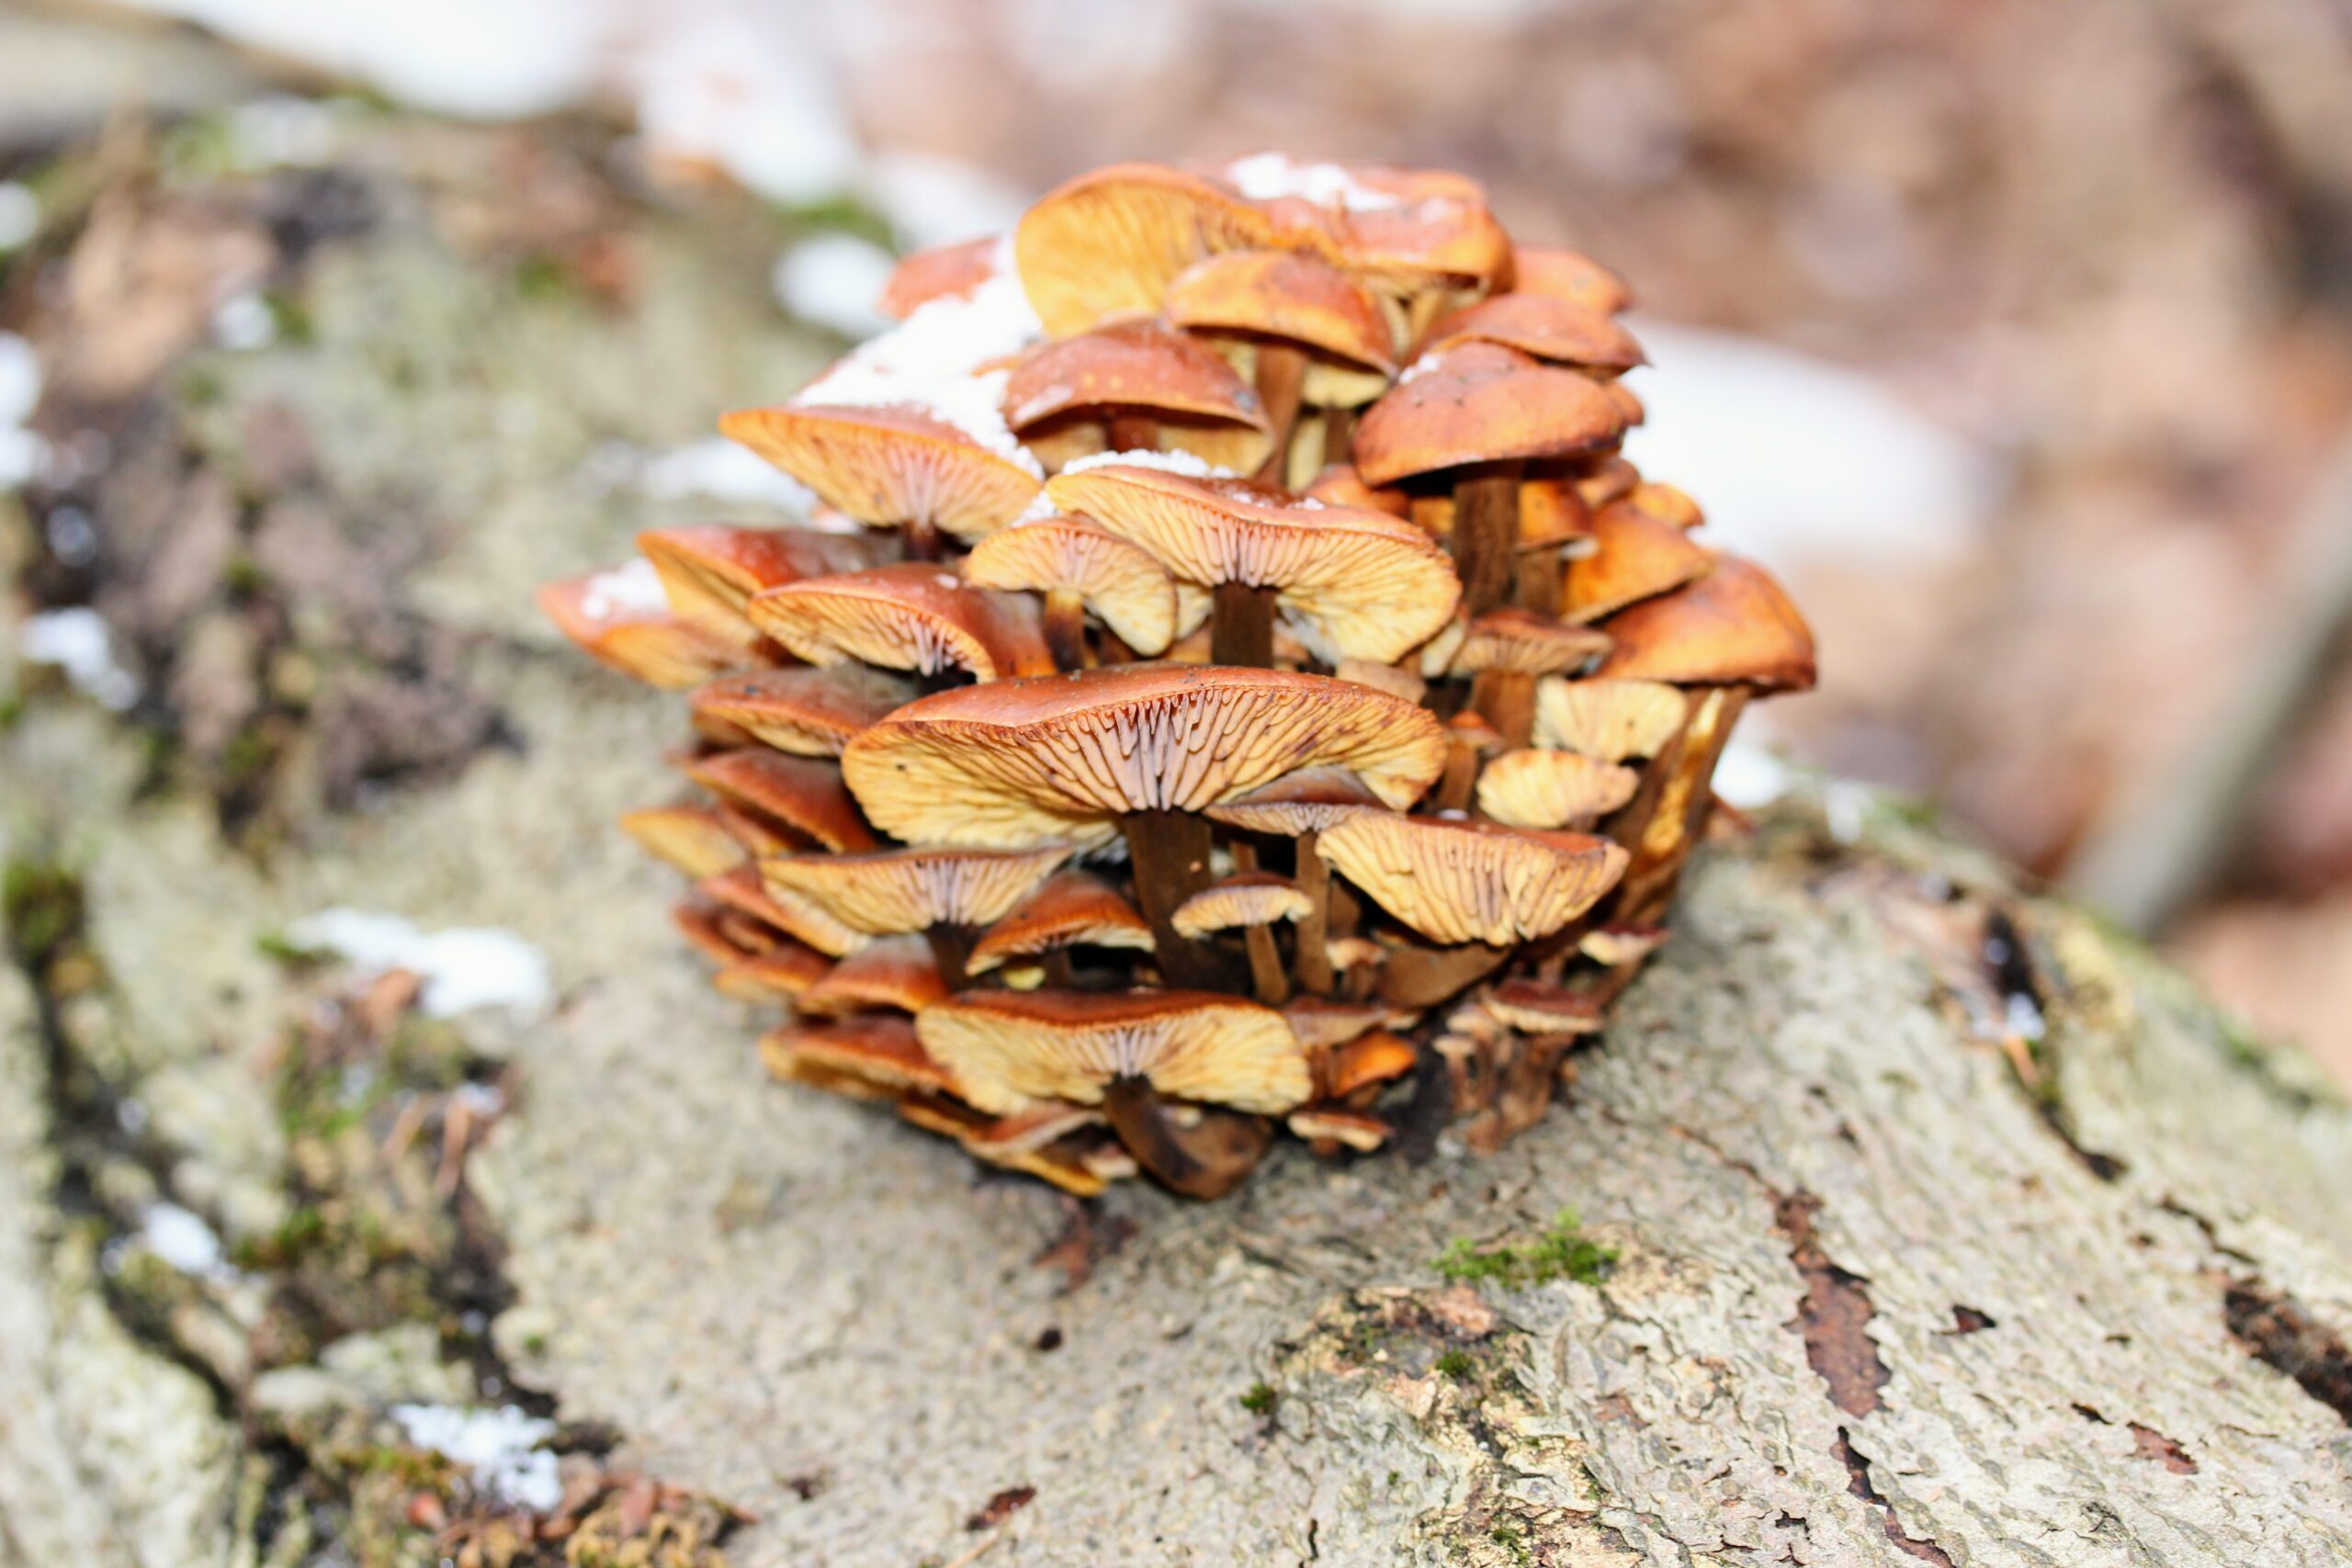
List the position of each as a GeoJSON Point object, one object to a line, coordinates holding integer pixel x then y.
{"type": "Point", "coordinates": [2017, 337]}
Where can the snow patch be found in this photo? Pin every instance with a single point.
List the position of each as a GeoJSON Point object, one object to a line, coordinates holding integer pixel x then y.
{"type": "Point", "coordinates": [744, 89]}
{"type": "Point", "coordinates": [20, 450]}
{"type": "Point", "coordinates": [715, 470]}
{"type": "Point", "coordinates": [1264, 176]}
{"type": "Point", "coordinates": [244, 322]}
{"type": "Point", "coordinates": [463, 967]}
{"type": "Point", "coordinates": [630, 590]}
{"type": "Point", "coordinates": [77, 642]}
{"type": "Point", "coordinates": [834, 280]}
{"type": "Point", "coordinates": [940, 201]}
{"type": "Point", "coordinates": [1186, 463]}
{"type": "Point", "coordinates": [1748, 776]}
{"type": "Point", "coordinates": [500, 1447]}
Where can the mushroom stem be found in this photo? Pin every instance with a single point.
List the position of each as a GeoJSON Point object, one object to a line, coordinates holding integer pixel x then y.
{"type": "Point", "coordinates": [1314, 879]}
{"type": "Point", "coordinates": [923, 538]}
{"type": "Point", "coordinates": [1202, 1161]}
{"type": "Point", "coordinates": [1339, 431]}
{"type": "Point", "coordinates": [1661, 824]}
{"type": "Point", "coordinates": [951, 949]}
{"type": "Point", "coordinates": [1486, 534]}
{"type": "Point", "coordinates": [1281, 371]}
{"type": "Point", "coordinates": [1507, 698]}
{"type": "Point", "coordinates": [1266, 977]}
{"type": "Point", "coordinates": [1065, 630]}
{"type": "Point", "coordinates": [1060, 973]}
{"type": "Point", "coordinates": [1169, 852]}
{"type": "Point", "coordinates": [1461, 776]}
{"type": "Point", "coordinates": [1134, 433]}
{"type": "Point", "coordinates": [1541, 581]}
{"type": "Point", "coordinates": [1305, 453]}
{"type": "Point", "coordinates": [1241, 629]}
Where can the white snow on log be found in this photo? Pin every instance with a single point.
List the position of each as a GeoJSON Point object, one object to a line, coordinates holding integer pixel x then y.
{"type": "Point", "coordinates": [500, 1449]}
{"type": "Point", "coordinates": [244, 321]}
{"type": "Point", "coordinates": [931, 200]}
{"type": "Point", "coordinates": [715, 470]}
{"type": "Point", "coordinates": [1263, 177]}
{"type": "Point", "coordinates": [75, 641]}
{"type": "Point", "coordinates": [182, 1239]}
{"type": "Point", "coordinates": [1186, 463]}
{"type": "Point", "coordinates": [631, 590]}
{"type": "Point", "coordinates": [20, 450]}
{"type": "Point", "coordinates": [463, 967]}
{"type": "Point", "coordinates": [834, 280]}
{"type": "Point", "coordinates": [743, 89]}
{"type": "Point", "coordinates": [1878, 480]}
{"type": "Point", "coordinates": [1747, 775]}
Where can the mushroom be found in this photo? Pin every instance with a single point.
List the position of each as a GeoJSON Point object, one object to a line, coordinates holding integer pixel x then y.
{"type": "Point", "coordinates": [1478, 411]}
{"type": "Point", "coordinates": [1606, 479]}
{"type": "Point", "coordinates": [1339, 485]}
{"type": "Point", "coordinates": [1609, 719]}
{"type": "Point", "coordinates": [711, 573]}
{"type": "Point", "coordinates": [1369, 585]}
{"type": "Point", "coordinates": [780, 974]}
{"type": "Point", "coordinates": [1107, 243]}
{"type": "Point", "coordinates": [1552, 789]}
{"type": "Point", "coordinates": [895, 972]}
{"type": "Point", "coordinates": [1250, 901]}
{"type": "Point", "coordinates": [1322, 1024]}
{"type": "Point", "coordinates": [1615, 945]}
{"type": "Point", "coordinates": [941, 893]}
{"type": "Point", "coordinates": [1070, 909]}
{"type": "Point", "coordinates": [1364, 1063]}
{"type": "Point", "coordinates": [867, 1055]}
{"type": "Point", "coordinates": [1011, 1142]}
{"type": "Point", "coordinates": [1666, 503]}
{"type": "Point", "coordinates": [690, 837]}
{"type": "Point", "coordinates": [1396, 681]}
{"type": "Point", "coordinates": [1556, 331]}
{"type": "Point", "coordinates": [1330, 1127]}
{"type": "Point", "coordinates": [915, 616]}
{"type": "Point", "coordinates": [1299, 806]}
{"type": "Point", "coordinates": [942, 271]}
{"type": "Point", "coordinates": [746, 896]}
{"type": "Point", "coordinates": [809, 713]}
{"type": "Point", "coordinates": [1078, 566]}
{"type": "Point", "coordinates": [1554, 526]}
{"type": "Point", "coordinates": [1567, 275]}
{"type": "Point", "coordinates": [1636, 557]}
{"type": "Point", "coordinates": [1134, 385]}
{"type": "Point", "coordinates": [802, 793]}
{"type": "Point", "coordinates": [1469, 742]}
{"type": "Point", "coordinates": [622, 619]}
{"type": "Point", "coordinates": [716, 933]}
{"type": "Point", "coordinates": [1139, 750]}
{"type": "Point", "coordinates": [1459, 881]}
{"type": "Point", "coordinates": [1507, 650]}
{"type": "Point", "coordinates": [1129, 1052]}
{"type": "Point", "coordinates": [891, 464]}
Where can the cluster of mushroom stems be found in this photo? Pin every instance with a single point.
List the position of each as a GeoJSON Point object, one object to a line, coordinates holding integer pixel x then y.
{"type": "Point", "coordinates": [1231, 680]}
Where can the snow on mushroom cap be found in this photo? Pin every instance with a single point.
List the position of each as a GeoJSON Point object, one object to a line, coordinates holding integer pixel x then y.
{"type": "Point", "coordinates": [1008, 1048]}
{"type": "Point", "coordinates": [1268, 177]}
{"type": "Point", "coordinates": [1170, 462]}
{"type": "Point", "coordinates": [627, 592]}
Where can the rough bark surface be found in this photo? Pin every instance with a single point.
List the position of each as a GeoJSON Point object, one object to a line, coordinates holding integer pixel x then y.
{"type": "Point", "coordinates": [1895, 1281]}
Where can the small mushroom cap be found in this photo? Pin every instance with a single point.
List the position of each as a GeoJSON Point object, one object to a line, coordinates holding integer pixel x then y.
{"type": "Point", "coordinates": [1458, 881]}
{"type": "Point", "coordinates": [1291, 294]}
{"type": "Point", "coordinates": [809, 713]}
{"type": "Point", "coordinates": [1067, 1162]}
{"type": "Point", "coordinates": [1628, 402]}
{"type": "Point", "coordinates": [1606, 479]}
{"type": "Point", "coordinates": [756, 831]}
{"type": "Point", "coordinates": [1418, 227]}
{"type": "Point", "coordinates": [782, 973]}
{"type": "Point", "coordinates": [1304, 802]}
{"type": "Point", "coordinates": [1021, 762]}
{"type": "Point", "coordinates": [1346, 953]}
{"type": "Point", "coordinates": [1614, 945]}
{"type": "Point", "coordinates": [1552, 513]}
{"type": "Point", "coordinates": [1732, 627]}
{"type": "Point", "coordinates": [1534, 1007]}
{"type": "Point", "coordinates": [1469, 727]}
{"type": "Point", "coordinates": [891, 891]}
{"type": "Point", "coordinates": [895, 972]}
{"type": "Point", "coordinates": [1372, 584]}
{"type": "Point", "coordinates": [942, 271]}
{"type": "Point", "coordinates": [710, 573]}
{"type": "Point", "coordinates": [1118, 580]}
{"type": "Point", "coordinates": [1339, 485]}
{"type": "Point", "coordinates": [914, 616]}
{"type": "Point", "coordinates": [1322, 1022]}
{"type": "Point", "coordinates": [1634, 556]}
{"type": "Point", "coordinates": [1567, 275]}
{"type": "Point", "coordinates": [1391, 679]}
{"type": "Point", "coordinates": [878, 1051]}
{"type": "Point", "coordinates": [1374, 1058]}
{"type": "Point", "coordinates": [1201, 406]}
{"type": "Point", "coordinates": [1008, 1048]}
{"type": "Point", "coordinates": [1070, 909]}
{"type": "Point", "coordinates": [889, 465]}
{"type": "Point", "coordinates": [1480, 402]}
{"type": "Point", "coordinates": [703, 923]}
{"type": "Point", "coordinates": [690, 837]}
{"type": "Point", "coordinates": [1249, 898]}
{"type": "Point", "coordinates": [1667, 503]}
{"type": "Point", "coordinates": [1556, 331]}
{"type": "Point", "coordinates": [1524, 643]}
{"type": "Point", "coordinates": [803, 793]}
{"type": "Point", "coordinates": [1552, 789]}
{"type": "Point", "coordinates": [1358, 1130]}
{"type": "Point", "coordinates": [744, 894]}
{"type": "Point", "coordinates": [622, 619]}
{"type": "Point", "coordinates": [1611, 719]}
{"type": "Point", "coordinates": [1107, 243]}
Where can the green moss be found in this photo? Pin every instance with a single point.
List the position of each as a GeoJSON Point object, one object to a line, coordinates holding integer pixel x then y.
{"type": "Point", "coordinates": [1561, 1252]}
{"type": "Point", "coordinates": [40, 908]}
{"type": "Point", "coordinates": [1512, 1538]}
{"type": "Point", "coordinates": [1455, 1364]}
{"type": "Point", "coordinates": [1259, 1399]}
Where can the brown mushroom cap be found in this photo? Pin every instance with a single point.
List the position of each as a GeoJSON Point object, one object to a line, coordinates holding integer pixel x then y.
{"type": "Point", "coordinates": [1611, 719]}
{"type": "Point", "coordinates": [1525, 643]}
{"type": "Point", "coordinates": [915, 616]}
{"type": "Point", "coordinates": [1567, 275]}
{"type": "Point", "coordinates": [1553, 330]}
{"type": "Point", "coordinates": [1614, 945]}
{"type": "Point", "coordinates": [1634, 556]}
{"type": "Point", "coordinates": [803, 794]}
{"type": "Point", "coordinates": [710, 573]}
{"type": "Point", "coordinates": [1339, 485]}
{"type": "Point", "coordinates": [1008, 1048]}
{"type": "Point", "coordinates": [622, 619]}
{"type": "Point", "coordinates": [1076, 1168]}
{"type": "Point", "coordinates": [1552, 789]}
{"type": "Point", "coordinates": [1375, 1057]}
{"type": "Point", "coordinates": [1202, 407]}
{"type": "Point", "coordinates": [706, 926]}
{"type": "Point", "coordinates": [889, 464]}
{"type": "Point", "coordinates": [895, 972]}
{"type": "Point", "coordinates": [1322, 1022]}
{"type": "Point", "coordinates": [878, 1053]}
{"type": "Point", "coordinates": [809, 713]}
{"type": "Point", "coordinates": [1394, 680]}
{"type": "Point", "coordinates": [743, 893]}
{"type": "Point", "coordinates": [1606, 479]}
{"type": "Point", "coordinates": [1534, 1007]}
{"type": "Point", "coordinates": [1480, 402]}
{"type": "Point", "coordinates": [1246, 898]}
{"type": "Point", "coordinates": [1373, 584]}
{"type": "Point", "coordinates": [1667, 503]}
{"type": "Point", "coordinates": [1118, 580]}
{"type": "Point", "coordinates": [942, 271]}
{"type": "Point", "coordinates": [1107, 243]}
{"type": "Point", "coordinates": [1732, 627]}
{"type": "Point", "coordinates": [891, 891]}
{"type": "Point", "coordinates": [690, 837]}
{"type": "Point", "coordinates": [1070, 909]}
{"type": "Point", "coordinates": [1021, 762]}
{"type": "Point", "coordinates": [1290, 295]}
{"type": "Point", "coordinates": [1552, 513]}
{"type": "Point", "coordinates": [781, 974]}
{"type": "Point", "coordinates": [1358, 1130]}
{"type": "Point", "coordinates": [1463, 881]}
{"type": "Point", "coordinates": [1306, 801]}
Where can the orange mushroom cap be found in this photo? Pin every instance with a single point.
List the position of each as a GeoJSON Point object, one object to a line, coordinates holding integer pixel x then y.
{"type": "Point", "coordinates": [1732, 627]}
{"type": "Point", "coordinates": [810, 713]}
{"type": "Point", "coordinates": [622, 619]}
{"type": "Point", "coordinates": [872, 1055]}
{"type": "Point", "coordinates": [1612, 719]}
{"type": "Point", "coordinates": [1552, 789]}
{"type": "Point", "coordinates": [1289, 294]}
{"type": "Point", "coordinates": [1202, 407]}
{"type": "Point", "coordinates": [1555, 331]}
{"type": "Point", "coordinates": [1635, 556]}
{"type": "Point", "coordinates": [1007, 1048]}
{"type": "Point", "coordinates": [1525, 643]}
{"type": "Point", "coordinates": [1480, 402]}
{"type": "Point", "coordinates": [710, 573]}
{"type": "Point", "coordinates": [916, 615]}
{"type": "Point", "coordinates": [1459, 881]}
{"type": "Point", "coordinates": [895, 972]}
{"type": "Point", "coordinates": [942, 271]}
{"type": "Point", "coordinates": [1567, 275]}
{"type": "Point", "coordinates": [890, 463]}
{"type": "Point", "coordinates": [689, 838]}
{"type": "Point", "coordinates": [887, 892]}
{"type": "Point", "coordinates": [1117, 578]}
{"type": "Point", "coordinates": [803, 794]}
{"type": "Point", "coordinates": [1107, 243]}
{"type": "Point", "coordinates": [1070, 909]}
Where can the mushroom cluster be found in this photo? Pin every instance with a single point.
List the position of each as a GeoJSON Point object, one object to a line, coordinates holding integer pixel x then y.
{"type": "Point", "coordinates": [1232, 682]}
